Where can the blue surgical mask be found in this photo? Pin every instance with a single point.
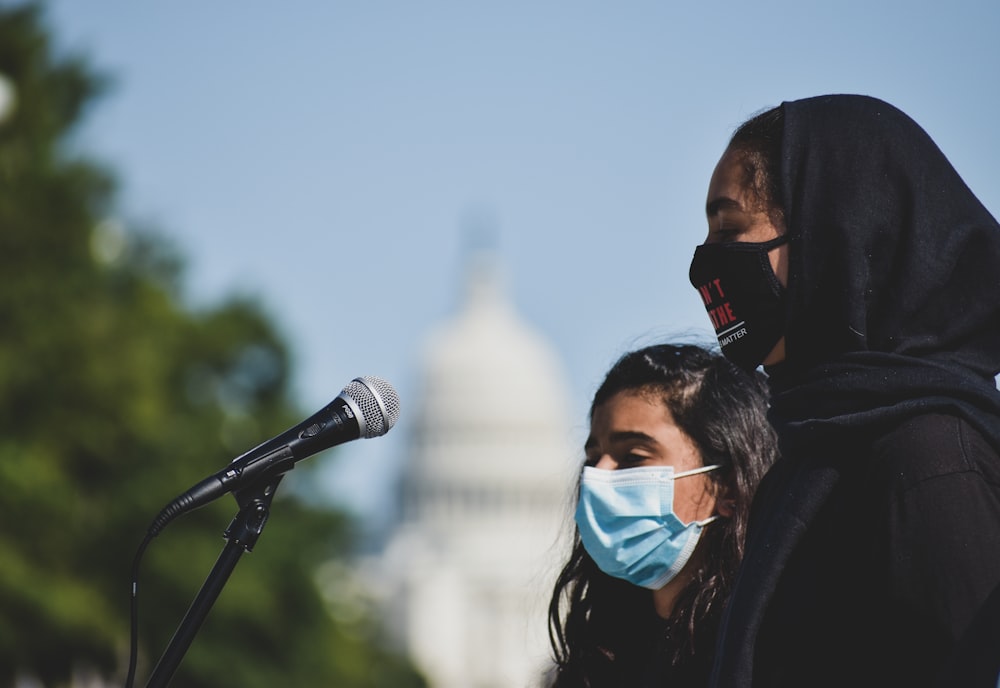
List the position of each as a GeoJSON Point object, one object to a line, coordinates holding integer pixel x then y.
{"type": "Point", "coordinates": [628, 526]}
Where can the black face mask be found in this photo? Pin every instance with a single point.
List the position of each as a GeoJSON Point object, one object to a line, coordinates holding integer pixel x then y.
{"type": "Point", "coordinates": [743, 297]}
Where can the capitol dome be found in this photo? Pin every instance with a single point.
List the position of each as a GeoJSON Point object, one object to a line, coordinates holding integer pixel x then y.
{"type": "Point", "coordinates": [489, 470]}
{"type": "Point", "coordinates": [488, 375]}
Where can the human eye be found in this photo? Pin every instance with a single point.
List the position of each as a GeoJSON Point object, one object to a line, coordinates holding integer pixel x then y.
{"type": "Point", "coordinates": [726, 235]}
{"type": "Point", "coordinates": [729, 227]}
{"type": "Point", "coordinates": [726, 228]}
{"type": "Point", "coordinates": [634, 458]}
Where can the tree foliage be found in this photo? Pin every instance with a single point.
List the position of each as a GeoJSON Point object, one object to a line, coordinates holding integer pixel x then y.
{"type": "Point", "coordinates": [115, 397]}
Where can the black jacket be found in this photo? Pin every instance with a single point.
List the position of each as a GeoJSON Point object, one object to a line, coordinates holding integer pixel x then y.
{"type": "Point", "coordinates": [893, 566]}
{"type": "Point", "coordinates": [874, 544]}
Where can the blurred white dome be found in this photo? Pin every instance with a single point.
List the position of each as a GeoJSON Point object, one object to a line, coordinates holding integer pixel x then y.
{"type": "Point", "coordinates": [489, 377]}
{"type": "Point", "coordinates": [486, 479]}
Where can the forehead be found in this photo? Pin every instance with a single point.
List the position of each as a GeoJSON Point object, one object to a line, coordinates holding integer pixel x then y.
{"type": "Point", "coordinates": [728, 188]}
{"type": "Point", "coordinates": [631, 408]}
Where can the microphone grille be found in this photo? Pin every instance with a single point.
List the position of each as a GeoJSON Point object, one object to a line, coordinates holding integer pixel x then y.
{"type": "Point", "coordinates": [378, 402]}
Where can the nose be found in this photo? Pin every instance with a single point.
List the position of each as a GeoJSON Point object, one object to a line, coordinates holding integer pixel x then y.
{"type": "Point", "coordinates": [606, 463]}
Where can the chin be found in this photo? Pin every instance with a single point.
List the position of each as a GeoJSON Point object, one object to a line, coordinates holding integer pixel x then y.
{"type": "Point", "coordinates": [777, 354]}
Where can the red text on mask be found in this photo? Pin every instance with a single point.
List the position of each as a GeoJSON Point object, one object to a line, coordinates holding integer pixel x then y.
{"type": "Point", "coordinates": [722, 314]}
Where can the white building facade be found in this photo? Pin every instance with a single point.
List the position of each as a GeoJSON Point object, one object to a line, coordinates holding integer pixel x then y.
{"type": "Point", "coordinates": [485, 498]}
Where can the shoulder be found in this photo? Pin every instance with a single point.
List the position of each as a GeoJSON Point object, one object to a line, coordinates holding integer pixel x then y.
{"type": "Point", "coordinates": [935, 445]}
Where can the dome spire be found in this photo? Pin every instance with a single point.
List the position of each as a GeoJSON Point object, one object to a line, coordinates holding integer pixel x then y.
{"type": "Point", "coordinates": [484, 283]}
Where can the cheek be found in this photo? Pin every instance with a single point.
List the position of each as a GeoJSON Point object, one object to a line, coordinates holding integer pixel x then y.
{"type": "Point", "coordinates": [693, 502]}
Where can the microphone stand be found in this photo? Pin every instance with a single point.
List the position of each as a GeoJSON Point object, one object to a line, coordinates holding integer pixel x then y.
{"type": "Point", "coordinates": [254, 502]}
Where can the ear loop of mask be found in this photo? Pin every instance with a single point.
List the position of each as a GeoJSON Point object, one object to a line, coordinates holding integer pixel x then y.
{"type": "Point", "coordinates": [694, 471]}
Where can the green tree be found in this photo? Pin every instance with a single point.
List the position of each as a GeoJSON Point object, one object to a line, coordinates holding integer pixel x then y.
{"type": "Point", "coordinates": [114, 397]}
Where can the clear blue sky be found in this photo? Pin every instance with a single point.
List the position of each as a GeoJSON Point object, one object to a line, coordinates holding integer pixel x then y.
{"type": "Point", "coordinates": [328, 157]}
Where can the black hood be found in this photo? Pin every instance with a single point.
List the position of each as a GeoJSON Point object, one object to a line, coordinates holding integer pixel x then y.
{"type": "Point", "coordinates": [894, 272]}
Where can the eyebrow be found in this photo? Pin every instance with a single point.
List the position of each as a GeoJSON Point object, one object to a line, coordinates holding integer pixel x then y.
{"type": "Point", "coordinates": [623, 436]}
{"type": "Point", "coordinates": [716, 205]}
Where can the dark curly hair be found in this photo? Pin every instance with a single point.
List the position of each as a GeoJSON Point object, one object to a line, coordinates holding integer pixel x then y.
{"type": "Point", "coordinates": [758, 142]}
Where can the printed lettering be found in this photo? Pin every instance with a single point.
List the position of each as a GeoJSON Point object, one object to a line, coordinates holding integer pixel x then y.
{"type": "Point", "coordinates": [733, 336]}
{"type": "Point", "coordinates": [722, 316]}
{"type": "Point", "coordinates": [706, 297]}
{"type": "Point", "coordinates": [706, 291]}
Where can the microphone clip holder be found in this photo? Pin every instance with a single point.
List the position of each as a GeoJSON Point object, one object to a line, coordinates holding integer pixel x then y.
{"type": "Point", "coordinates": [241, 536]}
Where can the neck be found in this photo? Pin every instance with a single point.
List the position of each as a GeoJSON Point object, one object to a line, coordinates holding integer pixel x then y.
{"type": "Point", "coordinates": [665, 598]}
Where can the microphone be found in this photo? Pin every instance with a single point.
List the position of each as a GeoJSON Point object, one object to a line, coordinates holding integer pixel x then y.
{"type": "Point", "coordinates": [366, 407]}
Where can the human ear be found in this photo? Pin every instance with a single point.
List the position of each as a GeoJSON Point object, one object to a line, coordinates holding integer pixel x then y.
{"type": "Point", "coordinates": [725, 506]}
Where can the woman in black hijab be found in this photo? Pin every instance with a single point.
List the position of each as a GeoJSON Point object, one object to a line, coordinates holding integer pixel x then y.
{"type": "Point", "coordinates": [847, 255]}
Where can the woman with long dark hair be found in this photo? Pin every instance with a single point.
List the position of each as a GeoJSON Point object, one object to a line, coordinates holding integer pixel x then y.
{"type": "Point", "coordinates": [678, 442]}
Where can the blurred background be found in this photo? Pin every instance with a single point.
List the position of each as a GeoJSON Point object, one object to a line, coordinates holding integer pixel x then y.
{"type": "Point", "coordinates": [213, 217]}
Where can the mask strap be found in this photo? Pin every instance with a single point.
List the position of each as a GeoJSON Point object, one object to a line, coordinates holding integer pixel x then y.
{"type": "Point", "coordinates": [695, 471]}
{"type": "Point", "coordinates": [775, 242]}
